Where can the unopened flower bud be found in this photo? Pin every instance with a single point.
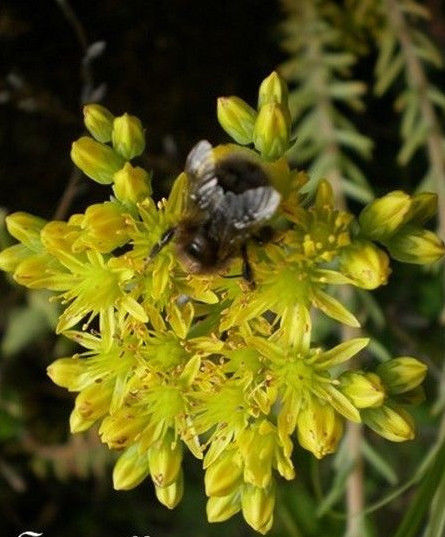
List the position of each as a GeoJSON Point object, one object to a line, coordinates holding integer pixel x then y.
{"type": "Point", "coordinates": [402, 374]}
{"type": "Point", "coordinates": [172, 494]}
{"type": "Point", "coordinates": [99, 121]}
{"type": "Point", "coordinates": [10, 258]}
{"type": "Point", "coordinates": [104, 226]}
{"type": "Point", "coordinates": [165, 458]}
{"type": "Point", "coordinates": [273, 89]}
{"type": "Point", "coordinates": [128, 136]}
{"type": "Point", "coordinates": [237, 118]}
{"type": "Point", "coordinates": [131, 184]}
{"type": "Point", "coordinates": [92, 403]}
{"type": "Point", "coordinates": [324, 195]}
{"type": "Point", "coordinates": [257, 505]}
{"type": "Point", "coordinates": [224, 475]}
{"type": "Point", "coordinates": [423, 207]}
{"type": "Point", "coordinates": [35, 272]}
{"type": "Point", "coordinates": [364, 390]}
{"type": "Point", "coordinates": [221, 508]}
{"type": "Point", "coordinates": [130, 469]}
{"type": "Point", "coordinates": [416, 245]}
{"type": "Point", "coordinates": [319, 428]}
{"type": "Point", "coordinates": [366, 264]}
{"type": "Point", "coordinates": [272, 131]}
{"type": "Point", "coordinates": [25, 228]}
{"type": "Point", "coordinates": [98, 161]}
{"type": "Point", "coordinates": [391, 422]}
{"type": "Point", "coordinates": [384, 216]}
{"type": "Point", "coordinates": [68, 372]}
{"type": "Point", "coordinates": [122, 428]}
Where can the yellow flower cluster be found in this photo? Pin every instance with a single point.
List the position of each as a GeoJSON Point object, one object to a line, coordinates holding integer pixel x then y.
{"type": "Point", "coordinates": [178, 362]}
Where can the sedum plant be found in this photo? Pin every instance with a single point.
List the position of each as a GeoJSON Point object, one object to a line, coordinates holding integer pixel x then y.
{"type": "Point", "coordinates": [171, 362]}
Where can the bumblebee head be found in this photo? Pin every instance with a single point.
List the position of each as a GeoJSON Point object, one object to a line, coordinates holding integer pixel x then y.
{"type": "Point", "coordinates": [196, 249]}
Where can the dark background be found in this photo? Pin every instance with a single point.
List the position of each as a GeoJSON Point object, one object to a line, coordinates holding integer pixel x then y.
{"type": "Point", "coordinates": [166, 62]}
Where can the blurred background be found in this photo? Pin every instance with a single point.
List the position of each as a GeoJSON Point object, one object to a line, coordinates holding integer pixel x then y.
{"type": "Point", "coordinates": [167, 62]}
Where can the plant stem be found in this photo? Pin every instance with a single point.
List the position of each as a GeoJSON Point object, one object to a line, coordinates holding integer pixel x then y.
{"type": "Point", "coordinates": [355, 499]}
{"type": "Point", "coordinates": [86, 75]}
{"type": "Point", "coordinates": [417, 80]}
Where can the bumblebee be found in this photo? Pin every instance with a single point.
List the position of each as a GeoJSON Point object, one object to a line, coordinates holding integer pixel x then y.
{"type": "Point", "coordinates": [230, 200]}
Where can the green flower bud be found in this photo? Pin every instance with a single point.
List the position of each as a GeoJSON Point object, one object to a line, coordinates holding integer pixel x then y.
{"type": "Point", "coordinates": [391, 422]}
{"type": "Point", "coordinates": [26, 228]}
{"type": "Point", "coordinates": [364, 390]}
{"type": "Point", "coordinates": [99, 121]}
{"type": "Point", "coordinates": [319, 428]}
{"type": "Point", "coordinates": [272, 131]}
{"type": "Point", "coordinates": [224, 475]}
{"type": "Point", "coordinates": [104, 226]}
{"type": "Point", "coordinates": [257, 505]}
{"type": "Point", "coordinates": [165, 458]}
{"type": "Point", "coordinates": [366, 264]}
{"type": "Point", "coordinates": [171, 495]}
{"type": "Point", "coordinates": [128, 136]}
{"type": "Point", "coordinates": [92, 403]}
{"type": "Point", "coordinates": [237, 118]}
{"type": "Point", "coordinates": [416, 245]}
{"type": "Point", "coordinates": [423, 208]}
{"type": "Point", "coordinates": [131, 184]}
{"type": "Point", "coordinates": [98, 161]}
{"type": "Point", "coordinates": [10, 258]}
{"type": "Point", "coordinates": [222, 508]}
{"type": "Point", "coordinates": [273, 89]}
{"type": "Point", "coordinates": [402, 374]}
{"type": "Point", "coordinates": [130, 469]}
{"type": "Point", "coordinates": [384, 216]}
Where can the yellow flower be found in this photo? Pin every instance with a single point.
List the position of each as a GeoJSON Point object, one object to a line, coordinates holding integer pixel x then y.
{"type": "Point", "coordinates": [207, 363]}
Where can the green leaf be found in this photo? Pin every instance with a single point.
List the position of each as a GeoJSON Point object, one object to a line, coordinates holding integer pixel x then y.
{"type": "Point", "coordinates": [356, 141]}
{"type": "Point", "coordinates": [372, 307]}
{"type": "Point", "coordinates": [379, 463]}
{"type": "Point", "coordinates": [416, 512]}
{"type": "Point", "coordinates": [437, 96]}
{"type": "Point", "coordinates": [357, 192]}
{"type": "Point", "coordinates": [346, 90]}
{"type": "Point", "coordinates": [379, 350]}
{"type": "Point", "coordinates": [388, 76]}
{"type": "Point", "coordinates": [412, 144]}
{"type": "Point", "coordinates": [387, 47]}
{"type": "Point", "coordinates": [436, 522]}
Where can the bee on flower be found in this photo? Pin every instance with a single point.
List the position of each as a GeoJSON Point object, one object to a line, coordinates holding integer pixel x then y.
{"type": "Point", "coordinates": [203, 306]}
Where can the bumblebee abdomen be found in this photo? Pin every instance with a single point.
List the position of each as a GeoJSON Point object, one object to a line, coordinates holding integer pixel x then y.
{"type": "Point", "coordinates": [236, 173]}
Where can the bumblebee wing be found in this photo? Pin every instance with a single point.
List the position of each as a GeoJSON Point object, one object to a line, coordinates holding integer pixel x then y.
{"type": "Point", "coordinates": [252, 208]}
{"type": "Point", "coordinates": [235, 219]}
{"type": "Point", "coordinates": [200, 168]}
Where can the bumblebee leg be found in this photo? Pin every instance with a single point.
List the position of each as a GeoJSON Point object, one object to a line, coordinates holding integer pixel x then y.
{"type": "Point", "coordinates": [164, 240]}
{"type": "Point", "coordinates": [247, 267]}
